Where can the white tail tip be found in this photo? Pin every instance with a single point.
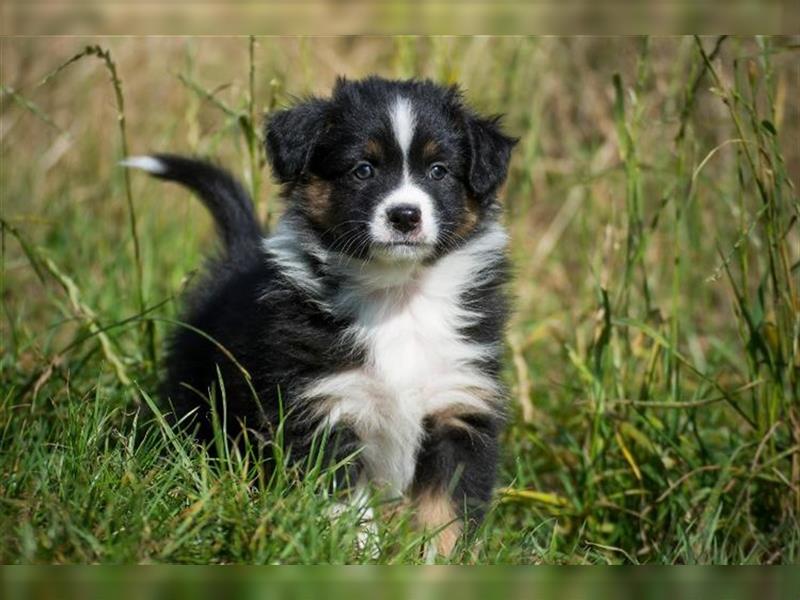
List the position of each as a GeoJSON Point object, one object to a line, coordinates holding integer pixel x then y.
{"type": "Point", "coordinates": [146, 163]}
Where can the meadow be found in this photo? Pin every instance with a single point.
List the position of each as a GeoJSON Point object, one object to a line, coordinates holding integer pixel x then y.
{"type": "Point", "coordinates": [653, 359]}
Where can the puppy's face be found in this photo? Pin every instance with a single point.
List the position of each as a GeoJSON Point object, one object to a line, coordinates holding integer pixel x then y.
{"type": "Point", "coordinates": [389, 170]}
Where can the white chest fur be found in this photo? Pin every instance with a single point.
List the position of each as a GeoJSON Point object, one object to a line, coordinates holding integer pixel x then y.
{"type": "Point", "coordinates": [417, 361]}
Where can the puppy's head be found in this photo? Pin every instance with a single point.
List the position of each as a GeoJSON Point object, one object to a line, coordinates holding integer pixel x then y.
{"type": "Point", "coordinates": [389, 170]}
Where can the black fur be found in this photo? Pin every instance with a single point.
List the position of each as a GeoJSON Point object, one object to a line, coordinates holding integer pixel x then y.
{"type": "Point", "coordinates": [460, 462]}
{"type": "Point", "coordinates": [291, 136]}
{"type": "Point", "coordinates": [489, 153]}
{"type": "Point", "coordinates": [223, 196]}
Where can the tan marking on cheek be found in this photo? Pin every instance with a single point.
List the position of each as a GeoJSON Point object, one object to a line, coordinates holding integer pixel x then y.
{"type": "Point", "coordinates": [470, 218]}
{"type": "Point", "coordinates": [430, 150]}
{"type": "Point", "coordinates": [435, 512]}
{"type": "Point", "coordinates": [374, 150]}
{"type": "Point", "coordinates": [317, 194]}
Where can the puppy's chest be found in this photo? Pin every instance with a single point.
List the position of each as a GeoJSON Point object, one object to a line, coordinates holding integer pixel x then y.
{"type": "Point", "coordinates": [417, 363]}
{"type": "Point", "coordinates": [412, 348]}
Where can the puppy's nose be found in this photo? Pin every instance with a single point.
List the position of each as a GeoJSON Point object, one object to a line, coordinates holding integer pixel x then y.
{"type": "Point", "coordinates": [404, 217]}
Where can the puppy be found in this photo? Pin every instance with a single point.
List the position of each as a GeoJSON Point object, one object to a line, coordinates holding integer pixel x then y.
{"type": "Point", "coordinates": [372, 317]}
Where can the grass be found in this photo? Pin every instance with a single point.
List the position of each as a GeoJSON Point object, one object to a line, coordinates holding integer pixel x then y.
{"type": "Point", "coordinates": [653, 358]}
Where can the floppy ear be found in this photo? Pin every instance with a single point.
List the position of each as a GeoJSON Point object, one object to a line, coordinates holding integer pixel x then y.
{"type": "Point", "coordinates": [489, 153]}
{"type": "Point", "coordinates": [290, 137]}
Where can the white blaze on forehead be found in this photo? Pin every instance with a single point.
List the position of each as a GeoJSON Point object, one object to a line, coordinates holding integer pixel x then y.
{"type": "Point", "coordinates": [403, 123]}
{"type": "Point", "coordinates": [407, 193]}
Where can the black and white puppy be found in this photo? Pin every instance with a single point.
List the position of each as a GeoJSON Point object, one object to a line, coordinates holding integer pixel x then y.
{"type": "Point", "coordinates": [375, 311]}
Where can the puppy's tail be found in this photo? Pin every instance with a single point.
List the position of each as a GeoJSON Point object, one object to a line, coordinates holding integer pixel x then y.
{"type": "Point", "coordinates": [222, 195]}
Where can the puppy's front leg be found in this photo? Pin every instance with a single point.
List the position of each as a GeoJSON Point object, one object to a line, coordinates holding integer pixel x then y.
{"type": "Point", "coordinates": [454, 476]}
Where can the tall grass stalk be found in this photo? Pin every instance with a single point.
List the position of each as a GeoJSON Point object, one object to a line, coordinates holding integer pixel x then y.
{"type": "Point", "coordinates": [248, 122]}
{"type": "Point", "coordinates": [105, 56]}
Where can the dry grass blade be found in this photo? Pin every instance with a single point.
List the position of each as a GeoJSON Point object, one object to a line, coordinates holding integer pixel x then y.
{"type": "Point", "coordinates": [105, 56]}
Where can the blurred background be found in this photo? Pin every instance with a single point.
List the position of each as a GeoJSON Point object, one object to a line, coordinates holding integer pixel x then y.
{"type": "Point", "coordinates": [546, 583]}
{"type": "Point", "coordinates": [652, 357]}
{"type": "Point", "coordinates": [343, 17]}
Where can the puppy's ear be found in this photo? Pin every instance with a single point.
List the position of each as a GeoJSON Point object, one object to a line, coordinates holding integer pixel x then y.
{"type": "Point", "coordinates": [290, 138]}
{"type": "Point", "coordinates": [489, 154]}
{"type": "Point", "coordinates": [339, 85]}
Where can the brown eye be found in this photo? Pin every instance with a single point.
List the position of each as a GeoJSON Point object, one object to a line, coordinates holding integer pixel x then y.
{"type": "Point", "coordinates": [363, 170]}
{"type": "Point", "coordinates": [437, 171]}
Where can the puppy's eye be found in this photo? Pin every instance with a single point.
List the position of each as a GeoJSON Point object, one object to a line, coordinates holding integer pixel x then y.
{"type": "Point", "coordinates": [437, 171]}
{"type": "Point", "coordinates": [363, 170]}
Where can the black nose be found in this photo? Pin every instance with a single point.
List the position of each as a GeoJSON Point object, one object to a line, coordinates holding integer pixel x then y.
{"type": "Point", "coordinates": [404, 217]}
